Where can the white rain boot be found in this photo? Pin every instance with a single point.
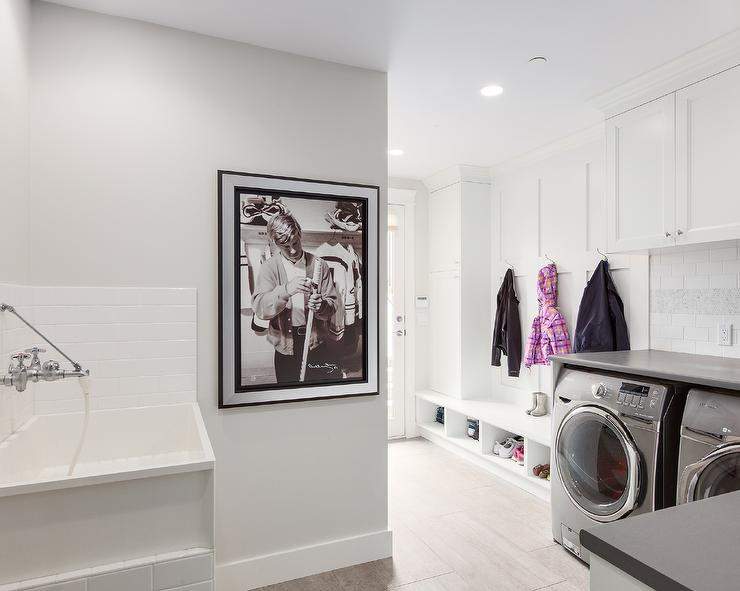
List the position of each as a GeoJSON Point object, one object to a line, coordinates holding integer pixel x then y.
{"type": "Point", "coordinates": [534, 403]}
{"type": "Point", "coordinates": [541, 409]}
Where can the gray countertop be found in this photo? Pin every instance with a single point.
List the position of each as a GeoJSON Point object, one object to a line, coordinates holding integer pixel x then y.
{"type": "Point", "coordinates": [704, 370]}
{"type": "Point", "coordinates": [691, 547]}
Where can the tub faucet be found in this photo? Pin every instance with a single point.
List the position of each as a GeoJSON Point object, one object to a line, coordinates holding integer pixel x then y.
{"type": "Point", "coordinates": [19, 374]}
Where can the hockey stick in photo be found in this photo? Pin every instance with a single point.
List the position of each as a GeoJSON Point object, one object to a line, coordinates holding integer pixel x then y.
{"type": "Point", "coordinates": [309, 323]}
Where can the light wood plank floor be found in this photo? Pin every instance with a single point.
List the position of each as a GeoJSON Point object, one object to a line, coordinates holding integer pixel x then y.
{"type": "Point", "coordinates": [457, 528]}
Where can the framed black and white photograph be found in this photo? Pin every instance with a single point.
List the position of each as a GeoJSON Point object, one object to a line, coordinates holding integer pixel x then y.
{"type": "Point", "coordinates": [298, 289]}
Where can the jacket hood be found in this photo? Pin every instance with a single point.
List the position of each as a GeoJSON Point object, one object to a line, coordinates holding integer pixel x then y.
{"type": "Point", "coordinates": [547, 286]}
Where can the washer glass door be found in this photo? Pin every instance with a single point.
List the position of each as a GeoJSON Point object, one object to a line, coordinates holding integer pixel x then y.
{"type": "Point", "coordinates": [597, 462]}
{"type": "Point", "coordinates": [719, 474]}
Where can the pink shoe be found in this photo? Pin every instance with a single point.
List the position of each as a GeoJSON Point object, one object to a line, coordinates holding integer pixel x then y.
{"type": "Point", "coordinates": [518, 455]}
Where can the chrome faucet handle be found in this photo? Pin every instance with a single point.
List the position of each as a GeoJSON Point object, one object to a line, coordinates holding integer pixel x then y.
{"type": "Point", "coordinates": [34, 352]}
{"type": "Point", "coordinates": [19, 358]}
{"type": "Point", "coordinates": [51, 366]}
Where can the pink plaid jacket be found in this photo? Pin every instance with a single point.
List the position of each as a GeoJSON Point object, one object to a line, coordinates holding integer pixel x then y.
{"type": "Point", "coordinates": [549, 334]}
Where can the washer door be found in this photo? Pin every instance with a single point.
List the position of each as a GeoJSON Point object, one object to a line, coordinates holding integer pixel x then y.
{"type": "Point", "coordinates": [716, 474]}
{"type": "Point", "coordinates": [598, 463]}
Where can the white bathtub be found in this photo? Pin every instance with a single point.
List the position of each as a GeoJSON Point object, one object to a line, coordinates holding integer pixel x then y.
{"type": "Point", "coordinates": [142, 486]}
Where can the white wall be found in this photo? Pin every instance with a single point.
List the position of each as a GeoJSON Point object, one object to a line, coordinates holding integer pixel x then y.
{"type": "Point", "coordinates": [14, 86]}
{"type": "Point", "coordinates": [15, 408]}
{"type": "Point", "coordinates": [552, 202]}
{"type": "Point", "coordinates": [692, 290]}
{"type": "Point", "coordinates": [129, 123]}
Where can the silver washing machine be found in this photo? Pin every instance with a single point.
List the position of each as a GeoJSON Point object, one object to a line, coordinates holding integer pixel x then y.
{"type": "Point", "coordinates": [615, 441]}
{"type": "Point", "coordinates": [709, 458]}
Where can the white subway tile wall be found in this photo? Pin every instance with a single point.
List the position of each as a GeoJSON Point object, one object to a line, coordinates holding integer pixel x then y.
{"type": "Point", "coordinates": [139, 343]}
{"type": "Point", "coordinates": [185, 570]}
{"type": "Point", "coordinates": [692, 290]}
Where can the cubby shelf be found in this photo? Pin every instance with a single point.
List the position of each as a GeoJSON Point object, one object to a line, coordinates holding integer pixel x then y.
{"type": "Point", "coordinates": [496, 422]}
{"type": "Point", "coordinates": [507, 416]}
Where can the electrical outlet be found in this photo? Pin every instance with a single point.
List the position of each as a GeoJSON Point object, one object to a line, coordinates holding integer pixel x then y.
{"type": "Point", "coordinates": [724, 333]}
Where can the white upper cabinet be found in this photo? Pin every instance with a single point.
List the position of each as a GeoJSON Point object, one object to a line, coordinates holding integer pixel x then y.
{"type": "Point", "coordinates": [673, 144]}
{"type": "Point", "coordinates": [641, 176]}
{"type": "Point", "coordinates": [708, 157]}
{"type": "Point", "coordinates": [444, 228]}
{"type": "Point", "coordinates": [460, 287]}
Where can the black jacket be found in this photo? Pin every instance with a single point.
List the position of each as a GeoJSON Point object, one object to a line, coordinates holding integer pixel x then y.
{"type": "Point", "coordinates": [507, 332]}
{"type": "Point", "coordinates": [601, 324]}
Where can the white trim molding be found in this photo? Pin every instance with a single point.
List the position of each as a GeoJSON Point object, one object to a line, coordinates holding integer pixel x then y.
{"type": "Point", "coordinates": [407, 198]}
{"type": "Point", "coordinates": [269, 569]}
{"type": "Point", "coordinates": [707, 60]}
{"type": "Point", "coordinates": [401, 196]}
{"type": "Point", "coordinates": [457, 174]}
{"type": "Point", "coordinates": [580, 138]}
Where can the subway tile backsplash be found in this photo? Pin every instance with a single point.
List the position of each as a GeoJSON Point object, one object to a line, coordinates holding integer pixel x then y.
{"type": "Point", "coordinates": [139, 344]}
{"type": "Point", "coordinates": [692, 290]}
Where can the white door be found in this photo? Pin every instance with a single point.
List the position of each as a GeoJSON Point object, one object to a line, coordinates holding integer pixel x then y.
{"type": "Point", "coordinates": [708, 149]}
{"type": "Point", "coordinates": [396, 320]}
{"type": "Point", "coordinates": [641, 163]}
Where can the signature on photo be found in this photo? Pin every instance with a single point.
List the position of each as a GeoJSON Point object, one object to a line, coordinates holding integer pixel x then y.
{"type": "Point", "coordinates": [330, 368]}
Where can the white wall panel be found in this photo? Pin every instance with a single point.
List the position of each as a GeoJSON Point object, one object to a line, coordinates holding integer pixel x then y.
{"type": "Point", "coordinates": [14, 165]}
{"type": "Point", "coordinates": [554, 206]}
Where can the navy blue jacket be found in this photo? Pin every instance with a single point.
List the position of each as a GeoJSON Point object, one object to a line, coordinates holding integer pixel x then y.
{"type": "Point", "coordinates": [601, 323]}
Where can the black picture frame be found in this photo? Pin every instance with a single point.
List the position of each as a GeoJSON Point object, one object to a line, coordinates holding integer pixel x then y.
{"type": "Point", "coordinates": [230, 186]}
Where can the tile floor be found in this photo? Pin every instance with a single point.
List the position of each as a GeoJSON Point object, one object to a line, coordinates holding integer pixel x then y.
{"type": "Point", "coordinates": [457, 528]}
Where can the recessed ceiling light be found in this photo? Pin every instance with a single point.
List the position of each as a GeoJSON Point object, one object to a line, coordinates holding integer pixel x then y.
{"type": "Point", "coordinates": [395, 152]}
{"type": "Point", "coordinates": [538, 59]}
{"type": "Point", "coordinates": [491, 90]}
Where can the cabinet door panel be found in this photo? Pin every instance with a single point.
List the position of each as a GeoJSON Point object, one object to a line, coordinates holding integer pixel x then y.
{"type": "Point", "coordinates": [444, 228]}
{"type": "Point", "coordinates": [708, 140]}
{"type": "Point", "coordinates": [445, 324]}
{"type": "Point", "coordinates": [641, 176]}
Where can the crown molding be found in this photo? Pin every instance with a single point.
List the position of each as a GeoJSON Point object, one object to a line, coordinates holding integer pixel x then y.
{"type": "Point", "coordinates": [457, 174]}
{"type": "Point", "coordinates": [570, 142]}
{"type": "Point", "coordinates": [704, 61]}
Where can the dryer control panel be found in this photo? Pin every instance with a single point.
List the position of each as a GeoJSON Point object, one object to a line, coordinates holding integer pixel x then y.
{"type": "Point", "coordinates": [627, 395]}
{"type": "Point", "coordinates": [641, 400]}
{"type": "Point", "coordinates": [633, 395]}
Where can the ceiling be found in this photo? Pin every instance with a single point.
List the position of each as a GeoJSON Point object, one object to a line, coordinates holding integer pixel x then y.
{"type": "Point", "coordinates": [439, 53]}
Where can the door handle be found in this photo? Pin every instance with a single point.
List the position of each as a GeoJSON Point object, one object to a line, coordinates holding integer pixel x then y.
{"type": "Point", "coordinates": [715, 436]}
{"type": "Point", "coordinates": [635, 418]}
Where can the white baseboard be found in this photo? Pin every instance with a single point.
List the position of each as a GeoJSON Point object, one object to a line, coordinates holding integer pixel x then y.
{"type": "Point", "coordinates": [259, 571]}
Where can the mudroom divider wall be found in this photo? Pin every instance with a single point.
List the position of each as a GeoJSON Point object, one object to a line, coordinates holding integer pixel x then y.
{"type": "Point", "coordinates": [548, 207]}
{"type": "Point", "coordinates": [545, 207]}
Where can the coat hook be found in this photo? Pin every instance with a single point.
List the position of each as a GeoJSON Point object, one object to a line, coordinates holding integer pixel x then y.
{"type": "Point", "coordinates": [603, 255]}
{"type": "Point", "coordinates": [549, 259]}
{"type": "Point", "coordinates": [508, 264]}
